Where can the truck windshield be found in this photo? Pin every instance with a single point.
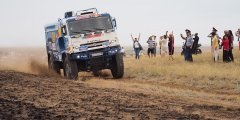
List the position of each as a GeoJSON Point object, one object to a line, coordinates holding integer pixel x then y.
{"type": "Point", "coordinates": [84, 26]}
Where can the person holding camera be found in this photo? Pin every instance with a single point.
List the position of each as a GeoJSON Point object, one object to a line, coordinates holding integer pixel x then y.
{"type": "Point", "coordinates": [188, 46]}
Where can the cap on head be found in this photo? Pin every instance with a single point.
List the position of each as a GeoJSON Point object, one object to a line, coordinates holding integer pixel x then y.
{"type": "Point", "coordinates": [214, 29]}
{"type": "Point", "coordinates": [187, 31]}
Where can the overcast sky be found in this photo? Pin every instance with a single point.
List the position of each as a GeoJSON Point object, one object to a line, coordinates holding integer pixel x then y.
{"type": "Point", "coordinates": [22, 21]}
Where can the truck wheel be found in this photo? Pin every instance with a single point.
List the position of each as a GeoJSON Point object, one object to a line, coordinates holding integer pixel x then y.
{"type": "Point", "coordinates": [70, 68]}
{"type": "Point", "coordinates": [117, 66]}
{"type": "Point", "coordinates": [53, 65]}
{"type": "Point", "coordinates": [95, 73]}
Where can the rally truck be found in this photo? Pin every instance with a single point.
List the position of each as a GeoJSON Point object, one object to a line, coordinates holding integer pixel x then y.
{"type": "Point", "coordinates": [84, 41]}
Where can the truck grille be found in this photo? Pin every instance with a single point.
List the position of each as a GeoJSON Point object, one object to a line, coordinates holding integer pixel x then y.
{"type": "Point", "coordinates": [95, 44]}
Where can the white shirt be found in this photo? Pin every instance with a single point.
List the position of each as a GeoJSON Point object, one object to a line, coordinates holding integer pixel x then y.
{"type": "Point", "coordinates": [136, 45]}
{"type": "Point", "coordinates": [164, 42]}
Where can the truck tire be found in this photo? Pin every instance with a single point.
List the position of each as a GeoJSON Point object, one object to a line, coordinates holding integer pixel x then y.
{"type": "Point", "coordinates": [117, 66]}
{"type": "Point", "coordinates": [53, 65]}
{"type": "Point", "coordinates": [70, 68]}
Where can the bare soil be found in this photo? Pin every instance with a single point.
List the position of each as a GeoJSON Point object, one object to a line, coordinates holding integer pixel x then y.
{"type": "Point", "coordinates": [28, 96]}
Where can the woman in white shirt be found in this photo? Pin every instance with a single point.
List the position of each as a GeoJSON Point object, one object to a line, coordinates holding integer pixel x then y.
{"type": "Point", "coordinates": [137, 46]}
{"type": "Point", "coordinates": [164, 43]}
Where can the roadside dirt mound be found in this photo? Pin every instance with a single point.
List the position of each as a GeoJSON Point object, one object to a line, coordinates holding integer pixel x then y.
{"type": "Point", "coordinates": [27, 96]}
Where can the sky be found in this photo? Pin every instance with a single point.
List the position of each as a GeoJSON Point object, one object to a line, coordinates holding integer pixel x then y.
{"type": "Point", "coordinates": [22, 21]}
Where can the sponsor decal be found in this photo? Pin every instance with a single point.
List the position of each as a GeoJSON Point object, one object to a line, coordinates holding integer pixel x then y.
{"type": "Point", "coordinates": [93, 36]}
{"type": "Point", "coordinates": [79, 17]}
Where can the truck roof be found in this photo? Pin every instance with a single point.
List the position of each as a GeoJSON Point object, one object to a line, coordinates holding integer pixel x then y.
{"type": "Point", "coordinates": [84, 14]}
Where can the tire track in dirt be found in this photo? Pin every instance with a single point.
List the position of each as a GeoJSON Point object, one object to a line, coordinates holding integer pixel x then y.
{"type": "Point", "coordinates": [27, 96]}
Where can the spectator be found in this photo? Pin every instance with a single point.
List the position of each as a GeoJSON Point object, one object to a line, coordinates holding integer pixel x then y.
{"type": "Point", "coordinates": [231, 38]}
{"type": "Point", "coordinates": [210, 35]}
{"type": "Point", "coordinates": [215, 46]}
{"type": "Point", "coordinates": [238, 36]}
{"type": "Point", "coordinates": [137, 46]}
{"type": "Point", "coordinates": [196, 40]}
{"type": "Point", "coordinates": [155, 47]}
{"type": "Point", "coordinates": [188, 46]}
{"type": "Point", "coordinates": [151, 46]}
{"type": "Point", "coordinates": [164, 42]}
{"type": "Point", "coordinates": [160, 44]}
{"type": "Point", "coordinates": [171, 46]}
{"type": "Point", "coordinates": [226, 48]}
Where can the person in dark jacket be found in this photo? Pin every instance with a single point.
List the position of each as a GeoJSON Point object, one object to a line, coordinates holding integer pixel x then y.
{"type": "Point", "coordinates": [226, 48]}
{"type": "Point", "coordinates": [231, 38]}
{"type": "Point", "coordinates": [195, 42]}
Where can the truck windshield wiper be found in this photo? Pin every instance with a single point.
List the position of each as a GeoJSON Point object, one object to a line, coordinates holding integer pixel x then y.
{"type": "Point", "coordinates": [99, 29]}
{"type": "Point", "coordinates": [76, 32]}
{"type": "Point", "coordinates": [87, 30]}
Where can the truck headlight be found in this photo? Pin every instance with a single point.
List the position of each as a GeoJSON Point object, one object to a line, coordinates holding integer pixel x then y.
{"type": "Point", "coordinates": [112, 51]}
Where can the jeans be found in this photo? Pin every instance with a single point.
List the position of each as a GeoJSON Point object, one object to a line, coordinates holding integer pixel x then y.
{"type": "Point", "coordinates": [137, 51]}
{"type": "Point", "coordinates": [231, 55]}
{"type": "Point", "coordinates": [188, 54]}
{"type": "Point", "coordinates": [226, 57]}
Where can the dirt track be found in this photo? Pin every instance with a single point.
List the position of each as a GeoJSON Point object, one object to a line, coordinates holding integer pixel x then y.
{"type": "Point", "coordinates": [26, 96]}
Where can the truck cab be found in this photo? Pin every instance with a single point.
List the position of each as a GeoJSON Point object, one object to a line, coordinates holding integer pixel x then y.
{"type": "Point", "coordinates": [84, 41]}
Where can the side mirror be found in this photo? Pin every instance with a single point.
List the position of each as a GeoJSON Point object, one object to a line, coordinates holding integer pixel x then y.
{"type": "Point", "coordinates": [114, 22]}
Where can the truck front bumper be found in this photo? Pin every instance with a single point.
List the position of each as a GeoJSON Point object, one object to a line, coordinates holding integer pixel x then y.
{"type": "Point", "coordinates": [103, 53]}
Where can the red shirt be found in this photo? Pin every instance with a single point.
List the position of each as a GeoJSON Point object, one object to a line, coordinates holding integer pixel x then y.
{"type": "Point", "coordinates": [226, 44]}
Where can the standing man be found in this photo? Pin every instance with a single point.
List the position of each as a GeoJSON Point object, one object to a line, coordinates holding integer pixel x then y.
{"type": "Point", "coordinates": [238, 36]}
{"type": "Point", "coordinates": [188, 47]}
{"type": "Point", "coordinates": [160, 45]}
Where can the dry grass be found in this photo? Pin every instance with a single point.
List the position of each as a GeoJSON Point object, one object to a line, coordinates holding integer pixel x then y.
{"type": "Point", "coordinates": [203, 80]}
{"type": "Point", "coordinates": [202, 74]}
